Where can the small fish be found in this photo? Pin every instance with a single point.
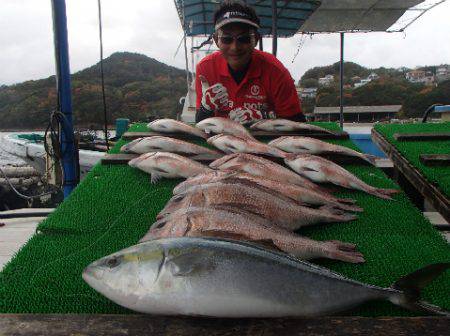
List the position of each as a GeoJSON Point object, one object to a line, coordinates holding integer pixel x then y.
{"type": "Point", "coordinates": [166, 144]}
{"type": "Point", "coordinates": [233, 144]}
{"type": "Point", "coordinates": [235, 279]}
{"type": "Point", "coordinates": [218, 125]}
{"type": "Point", "coordinates": [268, 204]}
{"type": "Point", "coordinates": [322, 170]}
{"type": "Point", "coordinates": [175, 126]}
{"type": "Point", "coordinates": [284, 125]}
{"type": "Point", "coordinates": [167, 165]}
{"type": "Point", "coordinates": [305, 145]}
{"type": "Point", "coordinates": [264, 168]}
{"type": "Point", "coordinates": [295, 192]}
{"type": "Point", "coordinates": [229, 222]}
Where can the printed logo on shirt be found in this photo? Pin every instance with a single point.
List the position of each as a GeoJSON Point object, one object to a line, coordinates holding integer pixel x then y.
{"type": "Point", "coordinates": [257, 106]}
{"type": "Point", "coordinates": [254, 90]}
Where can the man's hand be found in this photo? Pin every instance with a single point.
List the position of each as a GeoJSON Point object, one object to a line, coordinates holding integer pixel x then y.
{"type": "Point", "coordinates": [213, 97]}
{"type": "Point", "coordinates": [245, 115]}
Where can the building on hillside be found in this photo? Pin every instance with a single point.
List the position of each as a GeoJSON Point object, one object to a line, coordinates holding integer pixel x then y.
{"type": "Point", "coordinates": [357, 113]}
{"type": "Point", "coordinates": [356, 79]}
{"type": "Point", "coordinates": [362, 83]}
{"type": "Point", "coordinates": [420, 76]}
{"type": "Point", "coordinates": [442, 73]}
{"type": "Point", "coordinates": [310, 93]}
{"type": "Point", "coordinates": [373, 76]}
{"type": "Point", "coordinates": [326, 81]}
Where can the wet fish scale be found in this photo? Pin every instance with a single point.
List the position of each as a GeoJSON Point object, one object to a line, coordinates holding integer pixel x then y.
{"type": "Point", "coordinates": [228, 222]}
{"type": "Point", "coordinates": [272, 206]}
{"type": "Point", "coordinates": [233, 144]}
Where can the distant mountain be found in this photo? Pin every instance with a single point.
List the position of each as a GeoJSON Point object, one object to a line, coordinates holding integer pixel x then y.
{"type": "Point", "coordinates": [137, 87]}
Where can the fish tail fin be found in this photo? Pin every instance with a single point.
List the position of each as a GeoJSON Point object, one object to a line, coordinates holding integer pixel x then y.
{"type": "Point", "coordinates": [349, 207]}
{"type": "Point", "coordinates": [370, 158]}
{"type": "Point", "coordinates": [388, 191]}
{"type": "Point", "coordinates": [410, 286]}
{"type": "Point", "coordinates": [346, 200]}
{"type": "Point", "coordinates": [337, 215]}
{"type": "Point", "coordinates": [335, 249]}
{"type": "Point", "coordinates": [383, 193]}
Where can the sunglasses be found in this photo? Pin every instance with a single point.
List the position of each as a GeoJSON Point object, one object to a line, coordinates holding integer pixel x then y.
{"type": "Point", "coordinates": [242, 39]}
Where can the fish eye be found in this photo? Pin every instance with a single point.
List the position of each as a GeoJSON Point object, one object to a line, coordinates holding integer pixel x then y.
{"type": "Point", "coordinates": [160, 225]}
{"type": "Point", "coordinates": [113, 262]}
{"type": "Point", "coordinates": [178, 198]}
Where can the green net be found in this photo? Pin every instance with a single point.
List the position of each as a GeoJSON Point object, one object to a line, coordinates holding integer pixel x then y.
{"type": "Point", "coordinates": [114, 206]}
{"type": "Point", "coordinates": [411, 150]}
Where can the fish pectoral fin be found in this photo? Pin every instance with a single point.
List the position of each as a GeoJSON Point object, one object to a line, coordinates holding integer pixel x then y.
{"type": "Point", "coordinates": [190, 263]}
{"type": "Point", "coordinates": [155, 177]}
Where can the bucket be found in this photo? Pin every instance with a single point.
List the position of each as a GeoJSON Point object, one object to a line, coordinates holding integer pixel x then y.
{"type": "Point", "coordinates": [121, 126]}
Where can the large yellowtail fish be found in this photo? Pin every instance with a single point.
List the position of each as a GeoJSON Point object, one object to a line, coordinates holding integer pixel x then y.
{"type": "Point", "coordinates": [235, 279]}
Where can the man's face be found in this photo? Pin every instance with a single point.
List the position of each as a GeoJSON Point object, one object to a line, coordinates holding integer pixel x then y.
{"type": "Point", "coordinates": [236, 42]}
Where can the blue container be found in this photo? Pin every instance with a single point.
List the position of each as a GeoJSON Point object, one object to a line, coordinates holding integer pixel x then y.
{"type": "Point", "coordinates": [366, 145]}
{"type": "Point", "coordinates": [121, 126]}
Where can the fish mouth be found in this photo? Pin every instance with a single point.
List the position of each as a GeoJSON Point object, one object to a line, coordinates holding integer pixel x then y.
{"type": "Point", "coordinates": [92, 275]}
{"type": "Point", "coordinates": [211, 139]}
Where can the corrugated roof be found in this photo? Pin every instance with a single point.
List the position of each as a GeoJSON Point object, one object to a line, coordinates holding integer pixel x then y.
{"type": "Point", "coordinates": [358, 109]}
{"type": "Point", "coordinates": [198, 15]}
{"type": "Point", "coordinates": [356, 15]}
{"type": "Point", "coordinates": [310, 16]}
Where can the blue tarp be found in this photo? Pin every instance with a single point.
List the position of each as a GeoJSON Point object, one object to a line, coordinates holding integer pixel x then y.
{"type": "Point", "coordinates": [291, 14]}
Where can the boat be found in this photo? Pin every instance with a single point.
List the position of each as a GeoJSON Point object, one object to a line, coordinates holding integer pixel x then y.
{"type": "Point", "coordinates": [30, 148]}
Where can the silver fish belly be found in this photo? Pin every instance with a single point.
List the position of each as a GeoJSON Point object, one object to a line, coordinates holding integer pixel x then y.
{"type": "Point", "coordinates": [223, 278]}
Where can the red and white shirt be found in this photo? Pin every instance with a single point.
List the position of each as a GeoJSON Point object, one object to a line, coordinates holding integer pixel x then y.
{"type": "Point", "coordinates": [267, 85]}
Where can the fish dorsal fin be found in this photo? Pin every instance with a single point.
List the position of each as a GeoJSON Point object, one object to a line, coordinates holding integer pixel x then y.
{"type": "Point", "coordinates": [267, 243]}
{"type": "Point", "coordinates": [191, 262]}
{"type": "Point", "coordinates": [221, 234]}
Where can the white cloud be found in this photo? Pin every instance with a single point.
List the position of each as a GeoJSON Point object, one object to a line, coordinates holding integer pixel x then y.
{"type": "Point", "coordinates": [152, 27]}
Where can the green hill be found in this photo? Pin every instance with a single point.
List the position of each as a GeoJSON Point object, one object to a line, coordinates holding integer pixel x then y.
{"type": "Point", "coordinates": [137, 87]}
{"type": "Point", "coordinates": [391, 88]}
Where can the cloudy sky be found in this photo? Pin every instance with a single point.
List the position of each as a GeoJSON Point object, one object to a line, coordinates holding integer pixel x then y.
{"type": "Point", "coordinates": [151, 27]}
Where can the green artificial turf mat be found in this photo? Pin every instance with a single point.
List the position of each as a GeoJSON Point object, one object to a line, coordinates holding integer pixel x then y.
{"type": "Point", "coordinates": [114, 206]}
{"type": "Point", "coordinates": [411, 150]}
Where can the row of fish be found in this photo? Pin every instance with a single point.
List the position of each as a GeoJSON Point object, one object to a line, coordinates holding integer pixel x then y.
{"type": "Point", "coordinates": [232, 137]}
{"type": "Point", "coordinates": [219, 125]}
{"type": "Point", "coordinates": [306, 170]}
{"type": "Point", "coordinates": [177, 269]}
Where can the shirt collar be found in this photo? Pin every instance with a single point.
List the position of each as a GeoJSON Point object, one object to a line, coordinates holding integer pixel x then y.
{"type": "Point", "coordinates": [253, 71]}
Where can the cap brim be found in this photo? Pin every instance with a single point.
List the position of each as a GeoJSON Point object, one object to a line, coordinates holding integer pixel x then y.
{"type": "Point", "coordinates": [235, 20]}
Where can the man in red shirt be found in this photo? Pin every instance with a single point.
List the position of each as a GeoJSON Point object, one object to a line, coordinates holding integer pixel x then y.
{"type": "Point", "coordinates": [238, 81]}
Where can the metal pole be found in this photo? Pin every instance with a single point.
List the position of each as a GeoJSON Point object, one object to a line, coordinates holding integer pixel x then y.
{"type": "Point", "coordinates": [105, 113]}
{"type": "Point", "coordinates": [69, 161]}
{"type": "Point", "coordinates": [274, 27]}
{"type": "Point", "coordinates": [261, 46]}
{"type": "Point", "coordinates": [341, 84]}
